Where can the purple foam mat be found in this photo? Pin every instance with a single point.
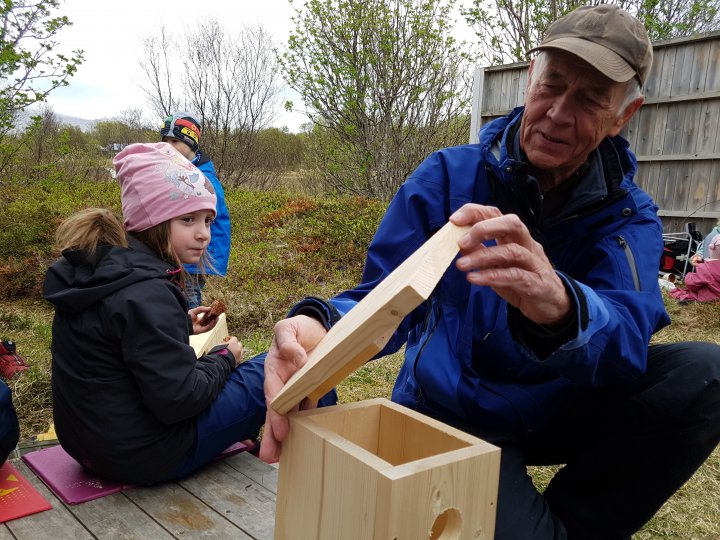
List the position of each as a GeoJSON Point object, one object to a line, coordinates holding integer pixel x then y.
{"type": "Point", "coordinates": [67, 478]}
{"type": "Point", "coordinates": [74, 484]}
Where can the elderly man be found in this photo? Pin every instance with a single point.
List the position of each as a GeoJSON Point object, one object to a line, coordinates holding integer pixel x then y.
{"type": "Point", "coordinates": [537, 339]}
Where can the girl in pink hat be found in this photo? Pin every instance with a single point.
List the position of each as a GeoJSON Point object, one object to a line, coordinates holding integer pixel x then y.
{"type": "Point", "coordinates": [131, 402]}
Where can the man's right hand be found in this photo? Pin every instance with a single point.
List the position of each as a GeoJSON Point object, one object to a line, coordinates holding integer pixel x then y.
{"type": "Point", "coordinates": [293, 340]}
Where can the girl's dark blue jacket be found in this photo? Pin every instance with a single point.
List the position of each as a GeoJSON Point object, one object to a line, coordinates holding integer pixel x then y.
{"type": "Point", "coordinates": [127, 387]}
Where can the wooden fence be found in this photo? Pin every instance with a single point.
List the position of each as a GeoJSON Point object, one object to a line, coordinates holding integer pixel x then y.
{"type": "Point", "coordinates": [675, 135]}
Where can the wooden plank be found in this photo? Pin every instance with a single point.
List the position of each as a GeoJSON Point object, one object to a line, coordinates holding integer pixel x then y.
{"type": "Point", "coordinates": [707, 133]}
{"type": "Point", "coordinates": [365, 330]}
{"type": "Point", "coordinates": [691, 130]}
{"type": "Point", "coordinates": [665, 187]}
{"type": "Point", "coordinates": [645, 118]}
{"type": "Point", "coordinates": [700, 59]}
{"type": "Point", "coordinates": [712, 82]}
{"type": "Point", "coordinates": [682, 187]}
{"type": "Point", "coordinates": [183, 514]}
{"type": "Point", "coordinates": [684, 55]}
{"type": "Point", "coordinates": [116, 516]}
{"type": "Point", "coordinates": [5, 533]}
{"type": "Point", "coordinates": [673, 126]}
{"type": "Point", "coordinates": [655, 172]}
{"type": "Point", "coordinates": [713, 204]}
{"type": "Point", "coordinates": [704, 96]}
{"type": "Point", "coordinates": [653, 79]}
{"type": "Point", "coordinates": [236, 497]}
{"type": "Point", "coordinates": [477, 96]}
{"type": "Point", "coordinates": [699, 185]}
{"type": "Point", "coordinates": [667, 69]}
{"type": "Point", "coordinates": [48, 524]}
{"type": "Point", "coordinates": [258, 471]}
{"type": "Point", "coordinates": [507, 81]}
{"type": "Point", "coordinates": [663, 119]}
{"type": "Point", "coordinates": [202, 343]}
{"type": "Point", "coordinates": [514, 89]}
{"type": "Point", "coordinates": [630, 131]}
{"type": "Point", "coordinates": [712, 214]}
{"type": "Point", "coordinates": [678, 157]}
{"type": "Point", "coordinates": [299, 457]}
{"type": "Point", "coordinates": [491, 92]}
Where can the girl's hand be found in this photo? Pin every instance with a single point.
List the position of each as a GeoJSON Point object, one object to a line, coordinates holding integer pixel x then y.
{"type": "Point", "coordinates": [235, 347]}
{"type": "Point", "coordinates": [195, 317]}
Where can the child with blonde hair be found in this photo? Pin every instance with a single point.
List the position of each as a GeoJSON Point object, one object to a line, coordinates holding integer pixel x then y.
{"type": "Point", "coordinates": [131, 401]}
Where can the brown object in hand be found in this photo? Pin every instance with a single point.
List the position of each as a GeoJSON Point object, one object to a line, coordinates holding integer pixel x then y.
{"type": "Point", "coordinates": [216, 308]}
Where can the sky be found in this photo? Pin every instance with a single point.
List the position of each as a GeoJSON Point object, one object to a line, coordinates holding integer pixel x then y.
{"type": "Point", "coordinates": [112, 35]}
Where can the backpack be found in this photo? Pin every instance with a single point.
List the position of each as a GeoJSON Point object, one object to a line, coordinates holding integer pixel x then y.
{"type": "Point", "coordinates": [11, 363]}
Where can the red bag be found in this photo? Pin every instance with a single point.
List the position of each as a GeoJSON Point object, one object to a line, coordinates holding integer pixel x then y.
{"type": "Point", "coordinates": [10, 362]}
{"type": "Point", "coordinates": [667, 261]}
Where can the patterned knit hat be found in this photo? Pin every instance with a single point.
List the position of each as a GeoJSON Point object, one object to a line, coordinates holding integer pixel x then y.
{"type": "Point", "coordinates": [158, 184]}
{"type": "Point", "coordinates": [184, 127]}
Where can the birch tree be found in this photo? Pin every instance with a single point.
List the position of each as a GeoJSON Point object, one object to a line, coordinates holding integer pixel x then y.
{"type": "Point", "coordinates": [384, 83]}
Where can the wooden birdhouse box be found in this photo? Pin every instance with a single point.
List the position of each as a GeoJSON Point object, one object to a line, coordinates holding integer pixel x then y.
{"type": "Point", "coordinates": [374, 469]}
{"type": "Point", "coordinates": [377, 470]}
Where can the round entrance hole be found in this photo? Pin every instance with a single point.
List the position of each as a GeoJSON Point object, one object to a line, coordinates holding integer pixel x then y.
{"type": "Point", "coordinates": [446, 526]}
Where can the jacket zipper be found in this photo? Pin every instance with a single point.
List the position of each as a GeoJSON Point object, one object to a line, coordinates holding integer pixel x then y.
{"type": "Point", "coordinates": [630, 259]}
{"type": "Point", "coordinates": [421, 393]}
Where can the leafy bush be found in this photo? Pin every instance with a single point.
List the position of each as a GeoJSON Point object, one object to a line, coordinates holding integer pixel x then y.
{"type": "Point", "coordinates": [30, 215]}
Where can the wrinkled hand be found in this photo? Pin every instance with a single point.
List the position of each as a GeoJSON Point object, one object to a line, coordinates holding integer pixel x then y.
{"type": "Point", "coordinates": [516, 268]}
{"type": "Point", "coordinates": [195, 317]}
{"type": "Point", "coordinates": [293, 340]}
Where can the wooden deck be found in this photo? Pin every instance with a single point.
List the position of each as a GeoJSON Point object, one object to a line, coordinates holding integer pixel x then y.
{"type": "Point", "coordinates": [230, 498]}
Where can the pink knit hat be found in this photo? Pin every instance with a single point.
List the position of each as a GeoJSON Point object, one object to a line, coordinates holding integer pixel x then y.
{"type": "Point", "coordinates": [714, 247]}
{"type": "Point", "coordinates": [159, 184]}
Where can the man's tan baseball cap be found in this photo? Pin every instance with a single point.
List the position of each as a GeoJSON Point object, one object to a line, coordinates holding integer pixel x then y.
{"type": "Point", "coordinates": [606, 37]}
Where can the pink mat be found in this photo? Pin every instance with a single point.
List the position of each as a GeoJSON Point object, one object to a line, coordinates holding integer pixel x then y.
{"type": "Point", "coordinates": [72, 483]}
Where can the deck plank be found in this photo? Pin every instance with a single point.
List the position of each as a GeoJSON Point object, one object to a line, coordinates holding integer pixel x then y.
{"type": "Point", "coordinates": [182, 513]}
{"type": "Point", "coordinates": [242, 501]}
{"type": "Point", "coordinates": [116, 516]}
{"type": "Point", "coordinates": [255, 469]}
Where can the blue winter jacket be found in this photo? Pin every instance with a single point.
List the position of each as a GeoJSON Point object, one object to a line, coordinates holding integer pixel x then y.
{"type": "Point", "coordinates": [219, 248]}
{"type": "Point", "coordinates": [467, 360]}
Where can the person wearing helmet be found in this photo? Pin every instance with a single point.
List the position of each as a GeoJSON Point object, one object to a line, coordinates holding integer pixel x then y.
{"type": "Point", "coordinates": [183, 132]}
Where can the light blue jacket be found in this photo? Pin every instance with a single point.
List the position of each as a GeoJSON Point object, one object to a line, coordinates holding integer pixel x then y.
{"type": "Point", "coordinates": [476, 362]}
